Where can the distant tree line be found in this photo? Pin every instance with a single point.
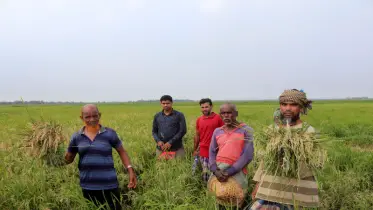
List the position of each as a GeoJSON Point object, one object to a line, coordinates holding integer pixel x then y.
{"type": "Point", "coordinates": [157, 101]}
{"type": "Point", "coordinates": [145, 101]}
{"type": "Point", "coordinates": [39, 102]}
{"type": "Point", "coordinates": [81, 102]}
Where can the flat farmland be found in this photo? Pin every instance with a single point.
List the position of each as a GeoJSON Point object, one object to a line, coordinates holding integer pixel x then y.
{"type": "Point", "coordinates": [26, 182]}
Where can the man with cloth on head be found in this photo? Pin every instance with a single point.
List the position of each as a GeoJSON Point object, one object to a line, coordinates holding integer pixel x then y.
{"type": "Point", "coordinates": [280, 193]}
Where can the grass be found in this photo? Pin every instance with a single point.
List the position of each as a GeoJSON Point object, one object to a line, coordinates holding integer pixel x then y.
{"type": "Point", "coordinates": [26, 182]}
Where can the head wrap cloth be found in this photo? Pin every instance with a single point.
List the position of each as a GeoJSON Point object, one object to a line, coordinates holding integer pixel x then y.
{"type": "Point", "coordinates": [298, 97]}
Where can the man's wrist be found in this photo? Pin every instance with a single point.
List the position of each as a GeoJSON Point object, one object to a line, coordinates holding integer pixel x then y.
{"type": "Point", "coordinates": [213, 167]}
{"type": "Point", "coordinates": [129, 167]}
{"type": "Point", "coordinates": [230, 171]}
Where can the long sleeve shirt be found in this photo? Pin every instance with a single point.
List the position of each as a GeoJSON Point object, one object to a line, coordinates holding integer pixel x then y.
{"type": "Point", "coordinates": [169, 128]}
{"type": "Point", "coordinates": [235, 148]}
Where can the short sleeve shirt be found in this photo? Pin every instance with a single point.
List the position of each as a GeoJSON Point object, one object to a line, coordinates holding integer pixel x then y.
{"type": "Point", "coordinates": [206, 126]}
{"type": "Point", "coordinates": [96, 165]}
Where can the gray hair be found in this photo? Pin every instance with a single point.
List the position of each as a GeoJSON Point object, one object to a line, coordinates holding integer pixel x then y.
{"type": "Point", "coordinates": [89, 106]}
{"type": "Point", "coordinates": [230, 105]}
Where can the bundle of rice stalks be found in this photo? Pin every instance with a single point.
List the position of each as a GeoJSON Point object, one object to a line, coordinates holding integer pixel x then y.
{"type": "Point", "coordinates": [227, 193]}
{"type": "Point", "coordinates": [45, 140]}
{"type": "Point", "coordinates": [290, 151]}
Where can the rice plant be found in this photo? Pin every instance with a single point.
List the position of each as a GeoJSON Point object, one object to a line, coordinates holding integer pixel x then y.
{"type": "Point", "coordinates": [45, 139]}
{"type": "Point", "coordinates": [287, 151]}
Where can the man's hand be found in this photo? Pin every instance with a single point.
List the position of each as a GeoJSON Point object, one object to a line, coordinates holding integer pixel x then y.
{"type": "Point", "coordinates": [69, 157]}
{"type": "Point", "coordinates": [195, 153]}
{"type": "Point", "coordinates": [132, 179]}
{"type": "Point", "coordinates": [221, 175]}
{"type": "Point", "coordinates": [167, 146]}
{"type": "Point", "coordinates": [160, 144]}
{"type": "Point", "coordinates": [253, 194]}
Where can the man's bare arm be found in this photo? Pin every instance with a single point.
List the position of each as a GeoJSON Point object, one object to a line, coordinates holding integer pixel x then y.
{"type": "Point", "coordinates": [196, 142]}
{"type": "Point", "coordinates": [127, 162]}
{"type": "Point", "coordinates": [123, 156]}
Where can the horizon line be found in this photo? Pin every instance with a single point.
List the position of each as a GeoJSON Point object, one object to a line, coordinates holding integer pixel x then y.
{"type": "Point", "coordinates": [181, 100]}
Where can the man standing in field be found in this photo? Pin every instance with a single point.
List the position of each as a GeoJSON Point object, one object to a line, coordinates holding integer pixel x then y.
{"type": "Point", "coordinates": [231, 150]}
{"type": "Point", "coordinates": [274, 192]}
{"type": "Point", "coordinates": [205, 126]}
{"type": "Point", "coordinates": [169, 128]}
{"type": "Point", "coordinates": [94, 144]}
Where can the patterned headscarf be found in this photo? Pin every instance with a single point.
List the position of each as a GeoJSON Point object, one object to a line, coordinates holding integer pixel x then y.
{"type": "Point", "coordinates": [298, 97]}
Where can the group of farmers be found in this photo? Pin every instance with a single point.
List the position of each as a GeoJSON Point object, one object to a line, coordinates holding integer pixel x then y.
{"type": "Point", "coordinates": [223, 148]}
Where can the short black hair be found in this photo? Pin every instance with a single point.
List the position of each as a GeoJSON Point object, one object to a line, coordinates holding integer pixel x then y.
{"type": "Point", "coordinates": [205, 100]}
{"type": "Point", "coordinates": [166, 98]}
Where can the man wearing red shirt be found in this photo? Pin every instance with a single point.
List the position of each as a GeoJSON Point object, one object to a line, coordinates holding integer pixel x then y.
{"type": "Point", "coordinates": [205, 126]}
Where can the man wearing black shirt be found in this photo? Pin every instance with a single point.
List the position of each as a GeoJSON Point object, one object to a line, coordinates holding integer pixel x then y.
{"type": "Point", "coordinates": [169, 128]}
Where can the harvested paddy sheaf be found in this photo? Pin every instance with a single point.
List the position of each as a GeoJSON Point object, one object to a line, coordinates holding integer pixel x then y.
{"type": "Point", "coordinates": [286, 151]}
{"type": "Point", "coordinates": [45, 139]}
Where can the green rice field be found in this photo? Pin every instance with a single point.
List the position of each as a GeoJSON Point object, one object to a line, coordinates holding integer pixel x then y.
{"type": "Point", "coordinates": [26, 182]}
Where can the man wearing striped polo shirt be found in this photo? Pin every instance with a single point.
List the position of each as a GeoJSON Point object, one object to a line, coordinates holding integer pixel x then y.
{"type": "Point", "coordinates": [94, 143]}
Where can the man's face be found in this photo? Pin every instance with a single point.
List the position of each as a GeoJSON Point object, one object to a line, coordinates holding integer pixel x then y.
{"type": "Point", "coordinates": [290, 110]}
{"type": "Point", "coordinates": [206, 109]}
{"type": "Point", "coordinates": [228, 115]}
{"type": "Point", "coordinates": [166, 105]}
{"type": "Point", "coordinates": [91, 117]}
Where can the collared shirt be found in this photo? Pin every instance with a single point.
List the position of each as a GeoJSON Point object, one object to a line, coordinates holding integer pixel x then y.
{"type": "Point", "coordinates": [96, 165]}
{"type": "Point", "coordinates": [205, 125]}
{"type": "Point", "coordinates": [169, 128]}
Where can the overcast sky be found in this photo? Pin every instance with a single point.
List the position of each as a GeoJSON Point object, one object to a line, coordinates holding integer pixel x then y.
{"type": "Point", "coordinates": [90, 50]}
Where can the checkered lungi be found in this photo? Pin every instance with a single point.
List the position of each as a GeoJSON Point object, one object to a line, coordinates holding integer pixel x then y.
{"type": "Point", "coordinates": [268, 205]}
{"type": "Point", "coordinates": [203, 163]}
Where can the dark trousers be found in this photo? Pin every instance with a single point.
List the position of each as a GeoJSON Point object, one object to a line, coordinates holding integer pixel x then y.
{"type": "Point", "coordinates": [104, 197]}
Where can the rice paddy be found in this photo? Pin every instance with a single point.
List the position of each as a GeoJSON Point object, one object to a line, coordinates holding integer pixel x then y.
{"type": "Point", "coordinates": [28, 182]}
